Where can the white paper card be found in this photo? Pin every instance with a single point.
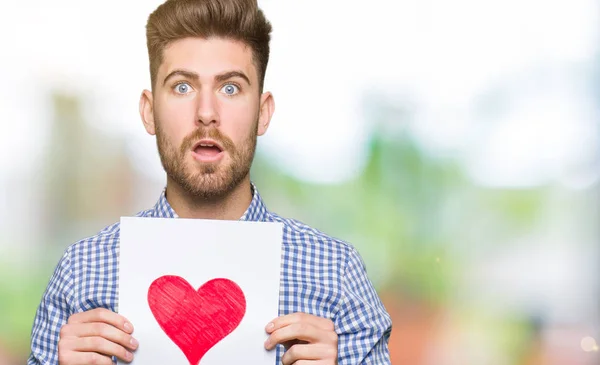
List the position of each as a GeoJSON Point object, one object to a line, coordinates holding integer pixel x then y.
{"type": "Point", "coordinates": [240, 264]}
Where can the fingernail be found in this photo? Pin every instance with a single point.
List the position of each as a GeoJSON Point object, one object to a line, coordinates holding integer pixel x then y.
{"type": "Point", "coordinates": [270, 326]}
{"type": "Point", "coordinates": [128, 355]}
{"type": "Point", "coordinates": [134, 342]}
{"type": "Point", "coordinates": [127, 327]}
{"type": "Point", "coordinates": [268, 342]}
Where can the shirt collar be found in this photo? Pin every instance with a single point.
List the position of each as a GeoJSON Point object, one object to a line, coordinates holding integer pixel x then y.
{"type": "Point", "coordinates": [256, 212]}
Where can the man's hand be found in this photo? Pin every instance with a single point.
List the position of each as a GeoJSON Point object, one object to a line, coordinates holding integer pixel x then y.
{"type": "Point", "coordinates": [94, 336]}
{"type": "Point", "coordinates": [308, 339]}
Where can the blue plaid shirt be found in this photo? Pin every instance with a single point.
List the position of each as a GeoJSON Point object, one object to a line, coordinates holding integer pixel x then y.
{"type": "Point", "coordinates": [320, 275]}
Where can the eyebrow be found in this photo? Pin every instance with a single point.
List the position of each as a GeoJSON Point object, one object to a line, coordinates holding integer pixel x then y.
{"type": "Point", "coordinates": [219, 78]}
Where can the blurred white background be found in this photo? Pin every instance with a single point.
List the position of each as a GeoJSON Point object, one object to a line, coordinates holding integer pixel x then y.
{"type": "Point", "coordinates": [507, 91]}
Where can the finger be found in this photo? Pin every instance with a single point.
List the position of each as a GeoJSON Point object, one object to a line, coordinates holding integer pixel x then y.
{"type": "Point", "coordinates": [309, 352]}
{"type": "Point", "coordinates": [99, 345]}
{"type": "Point", "coordinates": [102, 315]}
{"type": "Point", "coordinates": [291, 343]}
{"type": "Point", "coordinates": [297, 331]}
{"type": "Point", "coordinates": [286, 320]}
{"type": "Point", "coordinates": [99, 329]}
{"type": "Point", "coordinates": [80, 358]}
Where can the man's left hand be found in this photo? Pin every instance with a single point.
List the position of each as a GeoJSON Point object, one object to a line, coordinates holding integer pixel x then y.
{"type": "Point", "coordinates": [308, 339]}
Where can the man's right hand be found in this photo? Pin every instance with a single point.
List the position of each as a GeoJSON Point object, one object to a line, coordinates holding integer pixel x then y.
{"type": "Point", "coordinates": [94, 336]}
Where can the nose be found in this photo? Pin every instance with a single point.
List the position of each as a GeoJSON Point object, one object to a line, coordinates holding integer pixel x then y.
{"type": "Point", "coordinates": [207, 112]}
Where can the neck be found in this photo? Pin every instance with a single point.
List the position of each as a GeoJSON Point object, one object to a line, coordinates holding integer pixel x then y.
{"type": "Point", "coordinates": [229, 207]}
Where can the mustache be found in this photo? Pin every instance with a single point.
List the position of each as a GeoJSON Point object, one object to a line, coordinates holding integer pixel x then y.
{"type": "Point", "coordinates": [208, 133]}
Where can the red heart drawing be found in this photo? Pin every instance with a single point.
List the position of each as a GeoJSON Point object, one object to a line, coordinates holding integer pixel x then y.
{"type": "Point", "coordinates": [196, 320]}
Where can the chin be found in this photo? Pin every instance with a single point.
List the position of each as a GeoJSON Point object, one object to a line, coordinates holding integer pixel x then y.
{"type": "Point", "coordinates": [209, 184]}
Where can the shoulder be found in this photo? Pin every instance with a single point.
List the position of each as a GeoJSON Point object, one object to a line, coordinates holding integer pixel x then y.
{"type": "Point", "coordinates": [105, 239]}
{"type": "Point", "coordinates": [297, 233]}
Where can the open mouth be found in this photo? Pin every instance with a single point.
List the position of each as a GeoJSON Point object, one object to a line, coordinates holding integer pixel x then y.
{"type": "Point", "coordinates": [207, 150]}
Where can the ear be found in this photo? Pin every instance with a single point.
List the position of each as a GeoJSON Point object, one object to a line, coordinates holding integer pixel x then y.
{"type": "Point", "coordinates": [147, 111]}
{"type": "Point", "coordinates": [267, 108]}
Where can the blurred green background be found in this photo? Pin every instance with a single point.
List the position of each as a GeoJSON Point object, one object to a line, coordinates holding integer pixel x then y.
{"type": "Point", "coordinates": [454, 144]}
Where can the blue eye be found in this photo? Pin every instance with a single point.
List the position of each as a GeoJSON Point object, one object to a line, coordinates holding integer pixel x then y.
{"type": "Point", "coordinates": [230, 89]}
{"type": "Point", "coordinates": [182, 88]}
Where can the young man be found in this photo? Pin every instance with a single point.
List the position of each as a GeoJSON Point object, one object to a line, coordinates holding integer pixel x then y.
{"type": "Point", "coordinates": [208, 60]}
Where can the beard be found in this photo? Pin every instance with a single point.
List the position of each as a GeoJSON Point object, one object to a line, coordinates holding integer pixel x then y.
{"type": "Point", "coordinates": [206, 181]}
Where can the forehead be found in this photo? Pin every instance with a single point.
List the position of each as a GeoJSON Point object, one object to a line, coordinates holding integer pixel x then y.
{"type": "Point", "coordinates": [207, 57]}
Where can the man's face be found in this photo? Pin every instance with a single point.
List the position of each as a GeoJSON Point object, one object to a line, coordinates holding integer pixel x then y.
{"type": "Point", "coordinates": [206, 112]}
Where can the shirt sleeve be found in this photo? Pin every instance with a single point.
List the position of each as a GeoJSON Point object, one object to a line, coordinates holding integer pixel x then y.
{"type": "Point", "coordinates": [53, 311]}
{"type": "Point", "coordinates": [362, 323]}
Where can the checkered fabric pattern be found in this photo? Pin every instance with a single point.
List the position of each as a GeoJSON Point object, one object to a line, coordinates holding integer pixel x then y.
{"type": "Point", "coordinates": [320, 275]}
